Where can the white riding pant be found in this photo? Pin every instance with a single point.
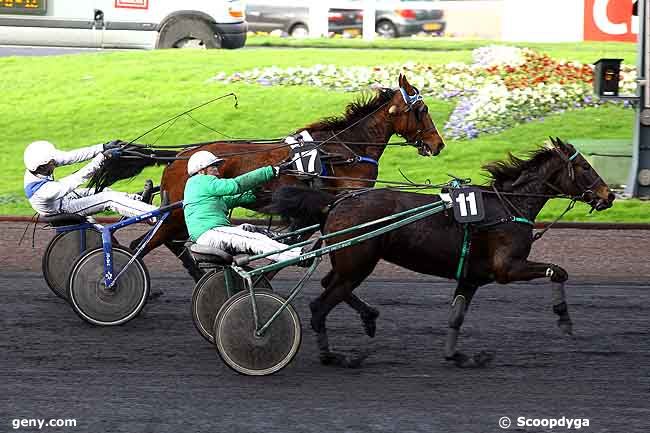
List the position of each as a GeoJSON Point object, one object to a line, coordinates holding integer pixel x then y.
{"type": "Point", "coordinates": [237, 239]}
{"type": "Point", "coordinates": [83, 201]}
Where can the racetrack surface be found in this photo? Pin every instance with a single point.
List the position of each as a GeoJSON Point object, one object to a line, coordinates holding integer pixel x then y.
{"type": "Point", "coordinates": [156, 374]}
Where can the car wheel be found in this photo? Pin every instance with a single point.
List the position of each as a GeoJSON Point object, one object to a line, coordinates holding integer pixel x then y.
{"type": "Point", "coordinates": [386, 29]}
{"type": "Point", "coordinates": [299, 31]}
{"type": "Point", "coordinates": [188, 33]}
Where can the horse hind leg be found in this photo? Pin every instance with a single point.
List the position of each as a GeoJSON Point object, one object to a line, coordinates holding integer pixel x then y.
{"type": "Point", "coordinates": [367, 313]}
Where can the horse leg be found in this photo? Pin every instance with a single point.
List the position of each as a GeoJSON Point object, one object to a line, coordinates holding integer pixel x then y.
{"type": "Point", "coordinates": [367, 313]}
{"type": "Point", "coordinates": [184, 255]}
{"type": "Point", "coordinates": [459, 306]}
{"type": "Point", "coordinates": [339, 288]}
{"type": "Point", "coordinates": [525, 271]}
{"type": "Point", "coordinates": [169, 234]}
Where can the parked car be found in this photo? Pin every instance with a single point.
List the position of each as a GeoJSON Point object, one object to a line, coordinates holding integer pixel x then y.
{"type": "Point", "coordinates": [123, 23]}
{"type": "Point", "coordinates": [267, 16]}
{"type": "Point", "coordinates": [406, 18]}
{"type": "Point", "coordinates": [393, 18]}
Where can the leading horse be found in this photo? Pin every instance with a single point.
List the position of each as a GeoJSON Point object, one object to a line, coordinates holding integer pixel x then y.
{"type": "Point", "coordinates": [498, 246]}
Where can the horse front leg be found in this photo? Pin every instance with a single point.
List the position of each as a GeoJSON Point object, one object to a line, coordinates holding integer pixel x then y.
{"type": "Point", "coordinates": [459, 306]}
{"type": "Point", "coordinates": [527, 271]}
{"type": "Point", "coordinates": [367, 313]}
{"type": "Point", "coordinates": [337, 290]}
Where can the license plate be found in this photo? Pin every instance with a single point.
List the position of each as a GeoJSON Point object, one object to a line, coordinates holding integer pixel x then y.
{"type": "Point", "coordinates": [432, 26]}
{"type": "Point", "coordinates": [353, 32]}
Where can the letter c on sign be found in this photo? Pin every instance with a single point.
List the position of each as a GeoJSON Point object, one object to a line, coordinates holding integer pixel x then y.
{"type": "Point", "coordinates": [601, 19]}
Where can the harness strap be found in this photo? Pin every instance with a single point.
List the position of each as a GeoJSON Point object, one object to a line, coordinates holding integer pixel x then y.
{"type": "Point", "coordinates": [463, 252]}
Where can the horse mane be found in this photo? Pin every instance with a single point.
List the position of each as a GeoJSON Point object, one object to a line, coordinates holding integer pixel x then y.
{"type": "Point", "coordinates": [114, 169]}
{"type": "Point", "coordinates": [364, 105]}
{"type": "Point", "coordinates": [511, 168]}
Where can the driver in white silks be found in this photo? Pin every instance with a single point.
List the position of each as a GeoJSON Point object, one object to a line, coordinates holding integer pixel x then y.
{"type": "Point", "coordinates": [208, 198]}
{"type": "Point", "coordinates": [48, 196]}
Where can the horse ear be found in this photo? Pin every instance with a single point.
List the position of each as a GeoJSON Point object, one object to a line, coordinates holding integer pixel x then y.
{"type": "Point", "coordinates": [400, 80]}
{"type": "Point", "coordinates": [405, 83]}
{"type": "Point", "coordinates": [553, 142]}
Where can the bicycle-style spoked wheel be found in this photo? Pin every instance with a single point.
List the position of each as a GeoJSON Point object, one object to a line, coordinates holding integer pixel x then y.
{"type": "Point", "coordinates": [245, 352]}
{"type": "Point", "coordinates": [60, 255]}
{"type": "Point", "coordinates": [210, 294]}
{"type": "Point", "coordinates": [96, 304]}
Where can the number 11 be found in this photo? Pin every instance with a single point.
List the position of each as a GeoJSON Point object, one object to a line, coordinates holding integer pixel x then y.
{"type": "Point", "coordinates": [471, 199]}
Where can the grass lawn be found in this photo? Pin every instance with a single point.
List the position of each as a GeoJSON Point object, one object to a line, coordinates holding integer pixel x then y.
{"type": "Point", "coordinates": [585, 52]}
{"type": "Point", "coordinates": [77, 100]}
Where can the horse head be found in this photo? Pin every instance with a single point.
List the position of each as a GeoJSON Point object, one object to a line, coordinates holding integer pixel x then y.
{"type": "Point", "coordinates": [410, 118]}
{"type": "Point", "coordinates": [576, 177]}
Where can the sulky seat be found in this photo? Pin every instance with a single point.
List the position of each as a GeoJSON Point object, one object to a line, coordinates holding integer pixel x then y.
{"type": "Point", "coordinates": [64, 219]}
{"type": "Point", "coordinates": [207, 254]}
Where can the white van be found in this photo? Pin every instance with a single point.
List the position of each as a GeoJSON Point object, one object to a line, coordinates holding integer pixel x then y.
{"type": "Point", "coordinates": [123, 23]}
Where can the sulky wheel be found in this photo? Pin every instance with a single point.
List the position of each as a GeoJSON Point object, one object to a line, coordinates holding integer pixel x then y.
{"type": "Point", "coordinates": [241, 349]}
{"type": "Point", "coordinates": [210, 294]}
{"type": "Point", "coordinates": [96, 304]}
{"type": "Point", "coordinates": [61, 253]}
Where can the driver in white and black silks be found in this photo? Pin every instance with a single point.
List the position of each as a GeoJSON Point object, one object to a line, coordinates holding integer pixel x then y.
{"type": "Point", "coordinates": [49, 196]}
{"type": "Point", "coordinates": [208, 198]}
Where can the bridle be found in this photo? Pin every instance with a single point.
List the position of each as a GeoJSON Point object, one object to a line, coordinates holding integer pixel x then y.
{"type": "Point", "coordinates": [412, 104]}
{"type": "Point", "coordinates": [587, 191]}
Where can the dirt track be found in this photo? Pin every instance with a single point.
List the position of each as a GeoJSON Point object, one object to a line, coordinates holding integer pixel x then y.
{"type": "Point", "coordinates": [156, 374]}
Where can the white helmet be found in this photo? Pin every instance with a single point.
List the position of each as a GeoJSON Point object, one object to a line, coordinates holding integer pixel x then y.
{"type": "Point", "coordinates": [201, 160]}
{"type": "Point", "coordinates": [38, 153]}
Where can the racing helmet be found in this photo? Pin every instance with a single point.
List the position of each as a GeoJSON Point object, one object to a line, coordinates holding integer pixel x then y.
{"type": "Point", "coordinates": [201, 160]}
{"type": "Point", "coordinates": [38, 153]}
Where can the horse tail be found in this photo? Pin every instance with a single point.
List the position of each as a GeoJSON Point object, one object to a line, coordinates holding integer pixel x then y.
{"type": "Point", "coordinates": [139, 158]}
{"type": "Point", "coordinates": [302, 205]}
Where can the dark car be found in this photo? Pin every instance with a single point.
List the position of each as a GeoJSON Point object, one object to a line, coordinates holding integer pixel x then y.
{"type": "Point", "coordinates": [266, 16]}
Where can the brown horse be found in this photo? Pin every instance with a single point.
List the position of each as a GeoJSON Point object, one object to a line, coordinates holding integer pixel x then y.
{"type": "Point", "coordinates": [354, 143]}
{"type": "Point", "coordinates": [498, 249]}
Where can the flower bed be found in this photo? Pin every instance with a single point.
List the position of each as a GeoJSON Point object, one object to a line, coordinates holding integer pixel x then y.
{"type": "Point", "coordinates": [504, 86]}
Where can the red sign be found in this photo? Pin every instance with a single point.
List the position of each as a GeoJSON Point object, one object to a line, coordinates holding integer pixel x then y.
{"type": "Point", "coordinates": [610, 20]}
{"type": "Point", "coordinates": [132, 4]}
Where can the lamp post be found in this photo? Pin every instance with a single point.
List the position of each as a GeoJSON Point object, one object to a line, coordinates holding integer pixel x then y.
{"type": "Point", "coordinates": [638, 184]}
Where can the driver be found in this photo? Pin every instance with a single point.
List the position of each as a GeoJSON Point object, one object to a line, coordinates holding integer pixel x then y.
{"type": "Point", "coordinates": [48, 196]}
{"type": "Point", "coordinates": [208, 198]}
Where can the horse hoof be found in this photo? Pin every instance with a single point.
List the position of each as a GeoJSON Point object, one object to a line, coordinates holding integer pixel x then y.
{"type": "Point", "coordinates": [331, 358]}
{"type": "Point", "coordinates": [340, 360]}
{"type": "Point", "coordinates": [479, 360]}
{"type": "Point", "coordinates": [565, 327]}
{"type": "Point", "coordinates": [155, 294]}
{"type": "Point", "coordinates": [370, 322]}
{"type": "Point", "coordinates": [483, 358]}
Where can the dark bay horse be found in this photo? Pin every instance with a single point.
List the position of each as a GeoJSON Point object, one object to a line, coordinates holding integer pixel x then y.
{"type": "Point", "coordinates": [499, 246]}
{"type": "Point", "coordinates": [355, 142]}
